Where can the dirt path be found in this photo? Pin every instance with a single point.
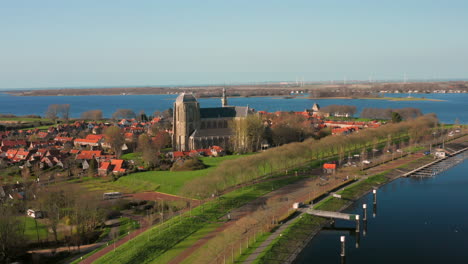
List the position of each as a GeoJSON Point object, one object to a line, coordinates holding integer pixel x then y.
{"type": "Point", "coordinates": [49, 251]}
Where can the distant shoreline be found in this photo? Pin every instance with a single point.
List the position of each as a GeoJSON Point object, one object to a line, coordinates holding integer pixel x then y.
{"type": "Point", "coordinates": [371, 98]}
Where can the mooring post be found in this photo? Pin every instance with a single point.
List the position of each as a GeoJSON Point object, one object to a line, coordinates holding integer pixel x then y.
{"type": "Point", "coordinates": [375, 195]}
{"type": "Point", "coordinates": [342, 254]}
{"type": "Point", "coordinates": [364, 212]}
{"type": "Point", "coordinates": [342, 239]}
{"type": "Point", "coordinates": [375, 203]}
{"type": "Point", "coordinates": [357, 223]}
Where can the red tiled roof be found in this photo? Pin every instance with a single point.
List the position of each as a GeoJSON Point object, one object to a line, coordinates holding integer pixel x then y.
{"type": "Point", "coordinates": [217, 148]}
{"type": "Point", "coordinates": [329, 166]}
{"type": "Point", "coordinates": [89, 154]}
{"type": "Point", "coordinates": [177, 154]}
{"type": "Point", "coordinates": [42, 134]}
{"type": "Point", "coordinates": [94, 137]}
{"type": "Point", "coordinates": [74, 151]}
{"type": "Point", "coordinates": [13, 143]}
{"type": "Point", "coordinates": [11, 153]}
{"type": "Point", "coordinates": [84, 140]}
{"type": "Point", "coordinates": [104, 165]}
{"type": "Point", "coordinates": [118, 163]}
{"type": "Point", "coordinates": [63, 139]}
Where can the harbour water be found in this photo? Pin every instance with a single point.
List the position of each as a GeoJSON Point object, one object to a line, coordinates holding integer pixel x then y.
{"type": "Point", "coordinates": [454, 105]}
{"type": "Point", "coordinates": [418, 220]}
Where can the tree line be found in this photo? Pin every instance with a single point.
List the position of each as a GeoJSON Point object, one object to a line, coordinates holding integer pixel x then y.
{"type": "Point", "coordinates": [233, 172]}
{"type": "Point", "coordinates": [250, 133]}
{"type": "Point", "coordinates": [386, 113]}
{"type": "Point", "coordinates": [62, 111]}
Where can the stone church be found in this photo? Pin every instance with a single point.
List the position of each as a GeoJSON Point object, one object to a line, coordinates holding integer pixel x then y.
{"type": "Point", "coordinates": [200, 128]}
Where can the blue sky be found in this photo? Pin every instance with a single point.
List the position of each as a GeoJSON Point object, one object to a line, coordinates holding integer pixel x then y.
{"type": "Point", "coordinates": [118, 43]}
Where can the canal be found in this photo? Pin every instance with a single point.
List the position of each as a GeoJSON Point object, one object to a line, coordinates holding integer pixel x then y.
{"type": "Point", "coordinates": [417, 221]}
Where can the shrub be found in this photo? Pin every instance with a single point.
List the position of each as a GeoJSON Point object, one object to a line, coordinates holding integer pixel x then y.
{"type": "Point", "coordinates": [188, 165]}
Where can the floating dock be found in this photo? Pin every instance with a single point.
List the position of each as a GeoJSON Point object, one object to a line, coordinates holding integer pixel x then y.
{"type": "Point", "coordinates": [439, 165]}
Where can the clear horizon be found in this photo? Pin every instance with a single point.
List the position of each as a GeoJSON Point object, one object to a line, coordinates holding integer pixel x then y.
{"type": "Point", "coordinates": [52, 44]}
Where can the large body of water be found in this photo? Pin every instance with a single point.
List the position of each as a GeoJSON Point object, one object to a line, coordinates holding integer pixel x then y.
{"type": "Point", "coordinates": [417, 221]}
{"type": "Point", "coordinates": [454, 106]}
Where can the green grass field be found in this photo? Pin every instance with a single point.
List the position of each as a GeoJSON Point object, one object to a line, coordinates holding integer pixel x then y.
{"type": "Point", "coordinates": [127, 225]}
{"type": "Point", "coordinates": [131, 156]}
{"type": "Point", "coordinates": [24, 119]}
{"type": "Point", "coordinates": [30, 229]}
{"type": "Point", "coordinates": [167, 181]}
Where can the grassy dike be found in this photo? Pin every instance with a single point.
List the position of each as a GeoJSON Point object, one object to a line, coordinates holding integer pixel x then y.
{"type": "Point", "coordinates": [150, 246]}
{"type": "Point", "coordinates": [299, 233]}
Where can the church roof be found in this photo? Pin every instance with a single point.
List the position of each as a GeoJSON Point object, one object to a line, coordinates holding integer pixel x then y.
{"type": "Point", "coordinates": [228, 111]}
{"type": "Point", "coordinates": [185, 97]}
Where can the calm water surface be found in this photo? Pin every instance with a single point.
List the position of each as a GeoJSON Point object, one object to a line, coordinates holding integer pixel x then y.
{"type": "Point", "coordinates": [454, 106]}
{"type": "Point", "coordinates": [418, 221]}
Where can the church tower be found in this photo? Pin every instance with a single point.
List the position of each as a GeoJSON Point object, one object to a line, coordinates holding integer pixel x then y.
{"type": "Point", "coordinates": [185, 121]}
{"type": "Point", "coordinates": [224, 101]}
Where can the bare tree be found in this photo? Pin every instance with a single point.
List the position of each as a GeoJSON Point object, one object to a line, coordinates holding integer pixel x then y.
{"type": "Point", "coordinates": [65, 111]}
{"type": "Point", "coordinates": [149, 150]}
{"type": "Point", "coordinates": [53, 203]}
{"type": "Point", "coordinates": [115, 139]}
{"type": "Point", "coordinates": [247, 133]}
{"type": "Point", "coordinates": [123, 114]}
{"type": "Point", "coordinates": [11, 238]}
{"type": "Point", "coordinates": [92, 115]}
{"type": "Point", "coordinates": [52, 112]}
{"type": "Point", "coordinates": [55, 110]}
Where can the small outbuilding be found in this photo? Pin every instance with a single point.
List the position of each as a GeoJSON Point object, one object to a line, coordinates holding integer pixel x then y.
{"type": "Point", "coordinates": [34, 213]}
{"type": "Point", "coordinates": [329, 168]}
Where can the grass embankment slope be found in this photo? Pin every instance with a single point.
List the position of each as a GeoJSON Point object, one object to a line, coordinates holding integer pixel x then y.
{"type": "Point", "coordinates": [303, 227]}
{"type": "Point", "coordinates": [161, 243]}
{"type": "Point", "coordinates": [291, 156]}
